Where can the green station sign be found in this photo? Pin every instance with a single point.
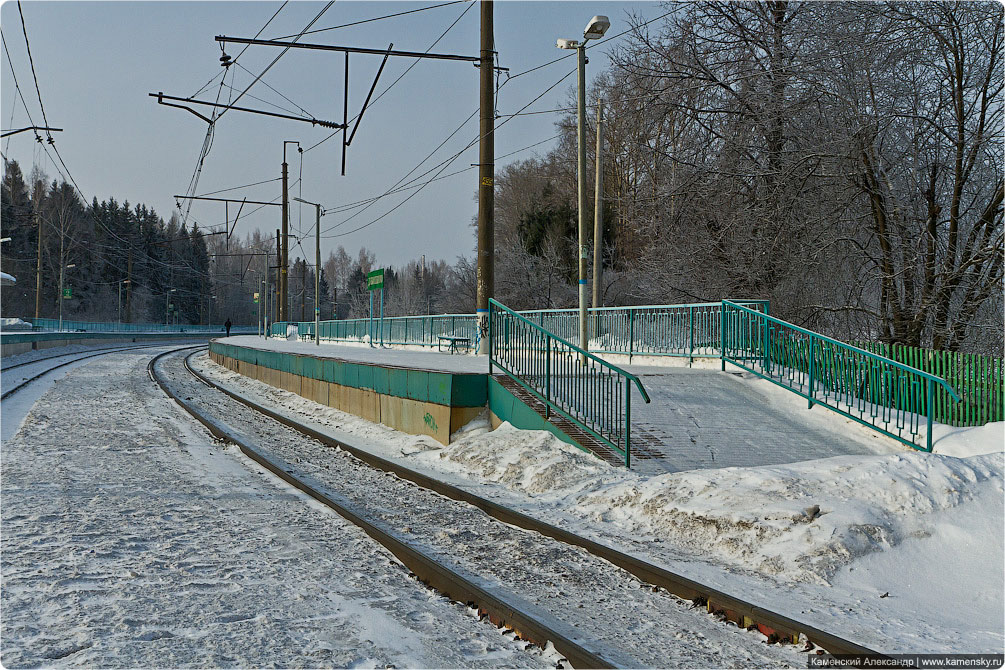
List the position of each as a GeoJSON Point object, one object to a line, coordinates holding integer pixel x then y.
{"type": "Point", "coordinates": [375, 280]}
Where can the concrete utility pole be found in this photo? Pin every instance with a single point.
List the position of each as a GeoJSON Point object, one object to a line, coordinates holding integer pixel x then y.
{"type": "Point", "coordinates": [317, 275]}
{"type": "Point", "coordinates": [282, 242]}
{"type": "Point", "coordinates": [598, 212]}
{"type": "Point", "coordinates": [595, 29]}
{"type": "Point", "coordinates": [486, 179]}
{"type": "Point", "coordinates": [129, 289]}
{"type": "Point", "coordinates": [279, 277]}
{"type": "Point", "coordinates": [584, 250]}
{"type": "Point", "coordinates": [38, 264]}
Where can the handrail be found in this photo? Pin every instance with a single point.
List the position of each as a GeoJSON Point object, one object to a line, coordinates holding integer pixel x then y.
{"type": "Point", "coordinates": [575, 310]}
{"type": "Point", "coordinates": [572, 346]}
{"type": "Point", "coordinates": [589, 392]}
{"type": "Point", "coordinates": [852, 347]}
{"type": "Point", "coordinates": [45, 323]}
{"type": "Point", "coordinates": [878, 392]}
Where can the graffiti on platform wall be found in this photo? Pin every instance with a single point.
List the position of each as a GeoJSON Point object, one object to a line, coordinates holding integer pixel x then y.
{"type": "Point", "coordinates": [430, 421]}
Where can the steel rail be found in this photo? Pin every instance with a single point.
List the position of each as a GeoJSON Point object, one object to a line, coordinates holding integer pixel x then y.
{"type": "Point", "coordinates": [742, 612]}
{"type": "Point", "coordinates": [426, 569]}
{"type": "Point", "coordinates": [72, 353]}
{"type": "Point", "coordinates": [103, 352]}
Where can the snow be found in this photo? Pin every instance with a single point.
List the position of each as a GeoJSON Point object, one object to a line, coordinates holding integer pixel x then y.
{"type": "Point", "coordinates": [133, 539]}
{"type": "Point", "coordinates": [411, 357]}
{"type": "Point", "coordinates": [8, 323]}
{"type": "Point", "coordinates": [837, 533]}
{"type": "Point", "coordinates": [972, 441]}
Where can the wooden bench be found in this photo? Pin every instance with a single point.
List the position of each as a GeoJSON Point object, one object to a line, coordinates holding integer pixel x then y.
{"type": "Point", "coordinates": [453, 343]}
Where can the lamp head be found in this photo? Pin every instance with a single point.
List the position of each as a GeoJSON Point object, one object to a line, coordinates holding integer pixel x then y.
{"type": "Point", "coordinates": [596, 28]}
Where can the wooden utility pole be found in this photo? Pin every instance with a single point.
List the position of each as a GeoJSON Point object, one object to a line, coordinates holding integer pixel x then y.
{"type": "Point", "coordinates": [598, 212]}
{"type": "Point", "coordinates": [486, 179]}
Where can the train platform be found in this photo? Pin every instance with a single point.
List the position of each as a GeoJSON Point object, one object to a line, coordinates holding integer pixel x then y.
{"type": "Point", "coordinates": [699, 417]}
{"type": "Point", "coordinates": [702, 418]}
{"type": "Point", "coordinates": [414, 357]}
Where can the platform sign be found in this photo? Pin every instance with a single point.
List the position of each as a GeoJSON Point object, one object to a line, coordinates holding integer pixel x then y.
{"type": "Point", "coordinates": [375, 280]}
{"type": "Point", "coordinates": [67, 293]}
{"type": "Point", "coordinates": [256, 298]}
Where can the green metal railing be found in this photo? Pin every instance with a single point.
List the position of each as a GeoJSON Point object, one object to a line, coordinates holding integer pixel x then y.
{"type": "Point", "coordinates": [588, 391]}
{"type": "Point", "coordinates": [115, 327]}
{"type": "Point", "coordinates": [690, 330]}
{"type": "Point", "coordinates": [887, 396]}
{"type": "Point", "coordinates": [423, 331]}
{"type": "Point", "coordinates": [978, 379]}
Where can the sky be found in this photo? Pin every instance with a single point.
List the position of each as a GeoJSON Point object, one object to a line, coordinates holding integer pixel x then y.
{"type": "Point", "coordinates": [96, 63]}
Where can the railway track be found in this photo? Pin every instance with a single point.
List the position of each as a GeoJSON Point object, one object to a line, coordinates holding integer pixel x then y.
{"type": "Point", "coordinates": [77, 358]}
{"type": "Point", "coordinates": [431, 570]}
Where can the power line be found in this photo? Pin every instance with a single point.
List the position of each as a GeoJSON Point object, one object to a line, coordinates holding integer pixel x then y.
{"type": "Point", "coordinates": [281, 54]}
{"type": "Point", "coordinates": [234, 188]}
{"type": "Point", "coordinates": [260, 31]}
{"type": "Point", "coordinates": [379, 18]}
{"type": "Point", "coordinates": [401, 76]}
{"type": "Point", "coordinates": [24, 30]}
{"type": "Point", "coordinates": [445, 164]}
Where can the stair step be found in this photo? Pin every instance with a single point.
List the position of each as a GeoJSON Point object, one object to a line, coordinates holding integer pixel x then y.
{"type": "Point", "coordinates": [580, 436]}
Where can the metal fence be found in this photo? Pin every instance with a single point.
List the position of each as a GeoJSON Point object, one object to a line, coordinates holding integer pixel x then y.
{"type": "Point", "coordinates": [425, 331]}
{"type": "Point", "coordinates": [115, 327]}
{"type": "Point", "coordinates": [690, 330]}
{"type": "Point", "coordinates": [889, 397]}
{"type": "Point", "coordinates": [588, 391]}
{"type": "Point", "coordinates": [979, 380]}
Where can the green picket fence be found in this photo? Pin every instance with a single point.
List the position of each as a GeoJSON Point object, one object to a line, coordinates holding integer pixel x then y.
{"type": "Point", "coordinates": [978, 379]}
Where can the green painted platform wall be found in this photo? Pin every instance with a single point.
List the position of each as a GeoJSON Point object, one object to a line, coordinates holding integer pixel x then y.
{"type": "Point", "coordinates": [442, 388]}
{"type": "Point", "coordinates": [504, 406]}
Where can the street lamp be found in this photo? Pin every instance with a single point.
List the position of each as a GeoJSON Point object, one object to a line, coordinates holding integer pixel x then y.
{"type": "Point", "coordinates": [209, 316]}
{"type": "Point", "coordinates": [61, 268]}
{"type": "Point", "coordinates": [595, 29]}
{"type": "Point", "coordinates": [317, 268]}
{"type": "Point", "coordinates": [121, 282]}
{"type": "Point", "coordinates": [167, 307]}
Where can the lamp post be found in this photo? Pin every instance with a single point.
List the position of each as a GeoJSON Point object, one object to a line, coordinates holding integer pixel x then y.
{"type": "Point", "coordinates": [167, 306]}
{"type": "Point", "coordinates": [317, 268]}
{"type": "Point", "coordinates": [61, 268]}
{"type": "Point", "coordinates": [209, 316]}
{"type": "Point", "coordinates": [121, 282]}
{"type": "Point", "coordinates": [595, 29]}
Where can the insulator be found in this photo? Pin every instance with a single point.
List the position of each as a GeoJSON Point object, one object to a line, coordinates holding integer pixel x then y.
{"type": "Point", "coordinates": [225, 60]}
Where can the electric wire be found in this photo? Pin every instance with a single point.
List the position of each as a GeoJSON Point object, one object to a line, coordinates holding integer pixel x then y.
{"type": "Point", "coordinates": [276, 59]}
{"type": "Point", "coordinates": [400, 77]}
{"type": "Point", "coordinates": [31, 61]}
{"type": "Point", "coordinates": [444, 165]}
{"type": "Point", "coordinates": [234, 188]}
{"type": "Point", "coordinates": [378, 18]}
{"type": "Point", "coordinates": [260, 31]}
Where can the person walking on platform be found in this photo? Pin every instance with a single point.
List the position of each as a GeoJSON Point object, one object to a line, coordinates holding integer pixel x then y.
{"type": "Point", "coordinates": [227, 325]}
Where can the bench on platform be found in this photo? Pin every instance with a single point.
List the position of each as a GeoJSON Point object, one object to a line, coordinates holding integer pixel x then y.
{"type": "Point", "coordinates": [453, 343]}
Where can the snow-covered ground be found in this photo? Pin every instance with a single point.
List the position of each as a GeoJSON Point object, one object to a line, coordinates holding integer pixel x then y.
{"type": "Point", "coordinates": [12, 323]}
{"type": "Point", "coordinates": [412, 357]}
{"type": "Point", "coordinates": [901, 552]}
{"type": "Point", "coordinates": [132, 539]}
